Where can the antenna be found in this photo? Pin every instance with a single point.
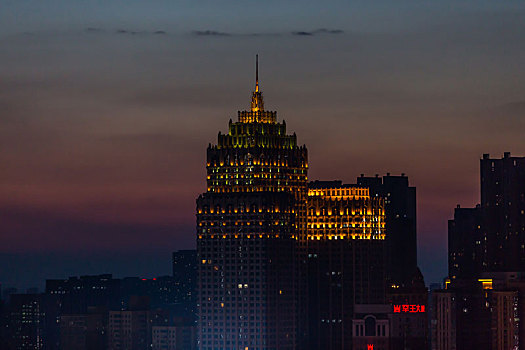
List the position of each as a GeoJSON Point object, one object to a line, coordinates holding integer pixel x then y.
{"type": "Point", "coordinates": [256, 73]}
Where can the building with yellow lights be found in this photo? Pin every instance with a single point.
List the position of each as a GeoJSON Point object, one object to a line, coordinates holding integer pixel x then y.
{"type": "Point", "coordinates": [248, 224]}
{"type": "Point", "coordinates": [345, 259]}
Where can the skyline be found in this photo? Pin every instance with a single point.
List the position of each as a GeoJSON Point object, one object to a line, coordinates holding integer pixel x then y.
{"type": "Point", "coordinates": [97, 122]}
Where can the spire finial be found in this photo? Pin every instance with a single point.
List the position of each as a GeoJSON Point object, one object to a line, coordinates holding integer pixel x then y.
{"type": "Point", "coordinates": [256, 73]}
{"type": "Point", "coordinates": [257, 99]}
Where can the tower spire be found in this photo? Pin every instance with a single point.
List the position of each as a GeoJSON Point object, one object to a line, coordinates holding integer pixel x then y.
{"type": "Point", "coordinates": [256, 73]}
{"type": "Point", "coordinates": [257, 99]}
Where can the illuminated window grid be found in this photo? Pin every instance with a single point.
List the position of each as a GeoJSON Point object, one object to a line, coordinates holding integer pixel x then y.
{"type": "Point", "coordinates": [344, 213]}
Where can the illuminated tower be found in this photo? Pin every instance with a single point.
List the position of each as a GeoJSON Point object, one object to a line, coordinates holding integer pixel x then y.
{"type": "Point", "coordinates": [248, 225]}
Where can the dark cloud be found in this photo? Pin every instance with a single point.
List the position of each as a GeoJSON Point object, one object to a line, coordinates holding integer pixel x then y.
{"type": "Point", "coordinates": [318, 31]}
{"type": "Point", "coordinates": [303, 33]}
{"type": "Point", "coordinates": [209, 33]}
{"type": "Point", "coordinates": [97, 30]}
{"type": "Point", "coordinates": [328, 31]}
{"type": "Point", "coordinates": [125, 31]}
{"type": "Point", "coordinates": [257, 34]}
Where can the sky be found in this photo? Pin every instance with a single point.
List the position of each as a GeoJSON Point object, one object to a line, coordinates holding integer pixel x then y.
{"type": "Point", "coordinates": [107, 107]}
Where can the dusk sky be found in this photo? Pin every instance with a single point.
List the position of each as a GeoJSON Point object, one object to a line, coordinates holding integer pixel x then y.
{"type": "Point", "coordinates": [107, 107]}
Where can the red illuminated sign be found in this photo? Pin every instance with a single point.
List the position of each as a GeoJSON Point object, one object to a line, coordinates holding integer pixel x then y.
{"type": "Point", "coordinates": [369, 346]}
{"type": "Point", "coordinates": [409, 308]}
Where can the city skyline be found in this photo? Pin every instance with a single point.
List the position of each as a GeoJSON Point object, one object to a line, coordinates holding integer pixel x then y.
{"type": "Point", "coordinates": [102, 154]}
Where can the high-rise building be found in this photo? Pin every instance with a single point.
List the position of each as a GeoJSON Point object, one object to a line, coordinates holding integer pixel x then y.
{"type": "Point", "coordinates": [471, 315]}
{"type": "Point", "coordinates": [184, 264]}
{"type": "Point", "coordinates": [26, 322]}
{"type": "Point", "coordinates": [503, 212]}
{"type": "Point", "coordinates": [346, 236]}
{"type": "Point", "coordinates": [465, 251]}
{"type": "Point", "coordinates": [185, 278]}
{"type": "Point", "coordinates": [491, 237]}
{"type": "Point", "coordinates": [487, 260]}
{"type": "Point", "coordinates": [249, 224]}
{"type": "Point", "coordinates": [400, 218]}
{"type": "Point", "coordinates": [443, 320]}
{"type": "Point", "coordinates": [505, 320]}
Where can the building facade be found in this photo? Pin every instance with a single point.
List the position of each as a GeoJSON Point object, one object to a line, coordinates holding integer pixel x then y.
{"type": "Point", "coordinates": [346, 235]}
{"type": "Point", "coordinates": [371, 327]}
{"type": "Point", "coordinates": [26, 322]}
{"type": "Point", "coordinates": [173, 338]}
{"type": "Point", "coordinates": [466, 252]}
{"type": "Point", "coordinates": [249, 223]}
{"type": "Point", "coordinates": [129, 330]}
{"type": "Point", "coordinates": [503, 212]}
{"type": "Point", "coordinates": [401, 225]}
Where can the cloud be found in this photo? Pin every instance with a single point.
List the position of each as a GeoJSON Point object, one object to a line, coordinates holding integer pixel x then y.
{"type": "Point", "coordinates": [302, 33]}
{"type": "Point", "coordinates": [329, 31]}
{"type": "Point", "coordinates": [209, 33]}
{"type": "Point", "coordinates": [125, 31]}
{"type": "Point", "coordinates": [296, 33]}
{"type": "Point", "coordinates": [98, 30]}
{"type": "Point", "coordinates": [318, 31]}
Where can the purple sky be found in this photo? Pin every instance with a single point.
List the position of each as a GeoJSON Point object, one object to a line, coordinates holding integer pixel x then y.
{"type": "Point", "coordinates": [106, 113]}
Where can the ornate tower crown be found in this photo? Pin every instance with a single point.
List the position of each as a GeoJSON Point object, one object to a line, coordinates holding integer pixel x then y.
{"type": "Point", "coordinates": [257, 114]}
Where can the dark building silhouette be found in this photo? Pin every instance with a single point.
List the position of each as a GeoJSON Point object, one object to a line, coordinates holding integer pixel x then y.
{"type": "Point", "coordinates": [465, 248]}
{"type": "Point", "coordinates": [77, 309]}
{"type": "Point", "coordinates": [409, 314]}
{"type": "Point", "coordinates": [400, 212]}
{"type": "Point", "coordinates": [26, 322]}
{"type": "Point", "coordinates": [185, 278]}
{"type": "Point", "coordinates": [462, 316]}
{"type": "Point", "coordinates": [76, 294]}
{"type": "Point", "coordinates": [129, 329]}
{"type": "Point", "coordinates": [84, 331]}
{"type": "Point", "coordinates": [503, 212]}
{"type": "Point", "coordinates": [173, 337]}
{"type": "Point", "coordinates": [491, 237]}
{"type": "Point", "coordinates": [185, 266]}
{"type": "Point", "coordinates": [248, 224]}
{"type": "Point", "coordinates": [4, 319]}
{"type": "Point", "coordinates": [346, 241]}
{"type": "Point", "coordinates": [485, 294]}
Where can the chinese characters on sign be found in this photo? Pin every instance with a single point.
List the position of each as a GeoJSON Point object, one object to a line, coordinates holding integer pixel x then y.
{"type": "Point", "coordinates": [370, 346]}
{"type": "Point", "coordinates": [409, 308]}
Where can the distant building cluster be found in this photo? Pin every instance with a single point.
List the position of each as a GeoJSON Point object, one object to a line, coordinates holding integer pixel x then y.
{"type": "Point", "coordinates": [104, 313]}
{"type": "Point", "coordinates": [483, 303]}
